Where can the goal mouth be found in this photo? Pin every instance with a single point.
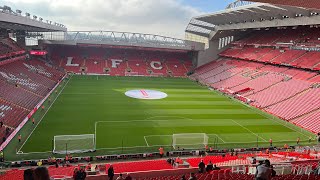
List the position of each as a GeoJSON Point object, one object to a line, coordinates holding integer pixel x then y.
{"type": "Point", "coordinates": [189, 140]}
{"type": "Point", "coordinates": [66, 144]}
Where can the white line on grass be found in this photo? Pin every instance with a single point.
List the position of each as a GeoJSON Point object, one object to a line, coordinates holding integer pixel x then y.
{"type": "Point", "coordinates": [218, 137]}
{"type": "Point", "coordinates": [43, 116]}
{"type": "Point", "coordinates": [249, 130]}
{"type": "Point", "coordinates": [145, 139]}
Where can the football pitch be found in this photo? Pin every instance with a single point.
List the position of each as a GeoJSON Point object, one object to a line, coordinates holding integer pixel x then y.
{"type": "Point", "coordinates": [98, 105]}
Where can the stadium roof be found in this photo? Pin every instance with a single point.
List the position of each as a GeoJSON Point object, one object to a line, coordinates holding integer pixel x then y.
{"type": "Point", "coordinates": [251, 15]}
{"type": "Point", "coordinates": [313, 4]}
{"type": "Point", "coordinates": [113, 38]}
{"type": "Point", "coordinates": [15, 20]}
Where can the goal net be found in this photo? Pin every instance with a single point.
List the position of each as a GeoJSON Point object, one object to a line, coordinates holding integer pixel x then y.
{"type": "Point", "coordinates": [189, 140]}
{"type": "Point", "coordinates": [65, 144]}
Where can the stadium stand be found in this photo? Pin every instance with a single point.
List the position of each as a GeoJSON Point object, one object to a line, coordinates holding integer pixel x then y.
{"type": "Point", "coordinates": [298, 165]}
{"type": "Point", "coordinates": [262, 70]}
{"type": "Point", "coordinates": [122, 62]}
{"type": "Point", "coordinates": [23, 84]}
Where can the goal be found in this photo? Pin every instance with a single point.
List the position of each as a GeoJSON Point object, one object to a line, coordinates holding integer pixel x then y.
{"type": "Point", "coordinates": [65, 144]}
{"type": "Point", "coordinates": [189, 140]}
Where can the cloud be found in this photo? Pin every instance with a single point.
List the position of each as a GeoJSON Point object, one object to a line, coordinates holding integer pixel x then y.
{"type": "Point", "coordinates": [163, 17]}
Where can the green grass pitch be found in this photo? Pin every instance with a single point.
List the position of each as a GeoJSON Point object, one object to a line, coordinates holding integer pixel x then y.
{"type": "Point", "coordinates": [97, 104]}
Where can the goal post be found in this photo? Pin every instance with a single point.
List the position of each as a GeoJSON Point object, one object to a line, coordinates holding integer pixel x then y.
{"type": "Point", "coordinates": [189, 140]}
{"type": "Point", "coordinates": [65, 144]}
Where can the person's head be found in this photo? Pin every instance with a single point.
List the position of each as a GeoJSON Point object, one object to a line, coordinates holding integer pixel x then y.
{"type": "Point", "coordinates": [120, 175]}
{"type": "Point", "coordinates": [28, 174]}
{"type": "Point", "coordinates": [192, 174]}
{"type": "Point", "coordinates": [41, 173]}
{"type": "Point", "coordinates": [267, 162]}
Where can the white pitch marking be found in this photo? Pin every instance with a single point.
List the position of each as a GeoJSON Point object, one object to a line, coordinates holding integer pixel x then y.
{"type": "Point", "coordinates": [145, 139]}
{"type": "Point", "coordinates": [249, 130]}
{"type": "Point", "coordinates": [43, 116]}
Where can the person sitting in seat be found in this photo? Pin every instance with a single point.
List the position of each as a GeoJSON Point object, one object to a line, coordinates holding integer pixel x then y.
{"type": "Point", "coordinates": [201, 166]}
{"type": "Point", "coordinates": [192, 176]}
{"type": "Point", "coordinates": [316, 171]}
{"type": "Point", "coordinates": [209, 166]}
{"type": "Point", "coordinates": [263, 171]}
{"type": "Point", "coordinates": [215, 167]}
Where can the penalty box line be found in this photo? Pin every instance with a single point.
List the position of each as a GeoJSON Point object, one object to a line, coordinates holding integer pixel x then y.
{"type": "Point", "coordinates": [44, 115]}
{"type": "Point", "coordinates": [249, 130]}
{"type": "Point", "coordinates": [148, 136]}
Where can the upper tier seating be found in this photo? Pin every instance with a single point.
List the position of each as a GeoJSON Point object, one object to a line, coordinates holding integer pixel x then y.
{"type": "Point", "coordinates": [9, 48]}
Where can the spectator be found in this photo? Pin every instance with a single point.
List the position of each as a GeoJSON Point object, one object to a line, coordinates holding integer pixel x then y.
{"type": "Point", "coordinates": [317, 170]}
{"type": "Point", "coordinates": [1, 123]}
{"type": "Point", "coordinates": [183, 177]}
{"type": "Point", "coordinates": [263, 171]}
{"type": "Point", "coordinates": [41, 173]}
{"type": "Point", "coordinates": [28, 174]}
{"type": "Point", "coordinates": [75, 173]}
{"type": "Point", "coordinates": [81, 175]}
{"type": "Point", "coordinates": [215, 167]}
{"type": "Point", "coordinates": [201, 166]}
{"type": "Point", "coordinates": [19, 138]}
{"type": "Point", "coordinates": [1, 156]}
{"type": "Point", "coordinates": [128, 177]}
{"type": "Point", "coordinates": [209, 166]}
{"type": "Point", "coordinates": [161, 152]}
{"type": "Point", "coordinates": [120, 177]}
{"type": "Point", "coordinates": [273, 172]}
{"type": "Point", "coordinates": [192, 176]}
{"type": "Point", "coordinates": [89, 167]}
{"type": "Point", "coordinates": [110, 172]}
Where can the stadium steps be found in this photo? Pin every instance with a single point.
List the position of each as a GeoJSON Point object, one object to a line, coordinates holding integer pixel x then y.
{"type": "Point", "coordinates": [236, 74]}
{"type": "Point", "coordinates": [1, 99]}
{"type": "Point", "coordinates": [271, 60]}
{"type": "Point", "coordinates": [31, 91]}
{"type": "Point", "coordinates": [258, 59]}
{"type": "Point", "coordinates": [299, 93]}
{"type": "Point", "coordinates": [306, 53]}
{"type": "Point", "coordinates": [256, 92]}
{"type": "Point", "coordinates": [316, 65]}
{"type": "Point", "coordinates": [185, 67]}
{"type": "Point", "coordinates": [106, 63]}
{"type": "Point", "coordinates": [231, 67]}
{"type": "Point", "coordinates": [305, 114]}
{"type": "Point", "coordinates": [60, 63]}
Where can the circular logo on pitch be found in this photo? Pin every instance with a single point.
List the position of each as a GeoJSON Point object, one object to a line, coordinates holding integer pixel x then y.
{"type": "Point", "coordinates": [146, 94]}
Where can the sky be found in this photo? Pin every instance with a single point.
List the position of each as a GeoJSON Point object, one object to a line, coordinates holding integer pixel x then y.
{"type": "Point", "coordinates": [162, 17]}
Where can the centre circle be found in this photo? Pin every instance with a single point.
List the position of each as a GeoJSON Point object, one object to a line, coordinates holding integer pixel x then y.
{"type": "Point", "coordinates": [146, 94]}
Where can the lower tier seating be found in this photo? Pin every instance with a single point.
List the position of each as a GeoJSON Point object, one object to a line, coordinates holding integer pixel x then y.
{"type": "Point", "coordinates": [289, 93]}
